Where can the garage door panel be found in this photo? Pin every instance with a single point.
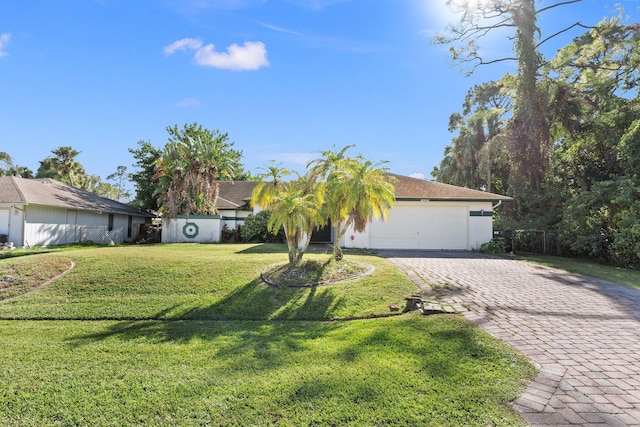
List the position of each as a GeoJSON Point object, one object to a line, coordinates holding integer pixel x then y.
{"type": "Point", "coordinates": [421, 227]}
{"type": "Point", "coordinates": [398, 232]}
{"type": "Point", "coordinates": [445, 228]}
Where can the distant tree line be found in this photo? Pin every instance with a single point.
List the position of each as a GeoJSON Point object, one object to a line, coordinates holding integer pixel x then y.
{"type": "Point", "coordinates": [63, 166]}
{"type": "Point", "coordinates": [561, 136]}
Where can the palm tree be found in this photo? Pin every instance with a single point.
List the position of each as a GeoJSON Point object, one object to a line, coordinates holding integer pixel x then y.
{"type": "Point", "coordinates": [357, 191]}
{"type": "Point", "coordinates": [66, 165]}
{"type": "Point", "coordinates": [329, 161]}
{"type": "Point", "coordinates": [63, 167]}
{"type": "Point", "coordinates": [295, 206]}
{"type": "Point", "coordinates": [298, 210]}
{"type": "Point", "coordinates": [8, 168]}
{"type": "Point", "coordinates": [21, 171]}
{"type": "Point", "coordinates": [271, 184]}
{"type": "Point", "coordinates": [187, 171]}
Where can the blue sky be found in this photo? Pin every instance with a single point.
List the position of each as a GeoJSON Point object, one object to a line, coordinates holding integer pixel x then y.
{"type": "Point", "coordinates": [285, 78]}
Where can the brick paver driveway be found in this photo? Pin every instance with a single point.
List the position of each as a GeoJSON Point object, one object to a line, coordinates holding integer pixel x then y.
{"type": "Point", "coordinates": [584, 334]}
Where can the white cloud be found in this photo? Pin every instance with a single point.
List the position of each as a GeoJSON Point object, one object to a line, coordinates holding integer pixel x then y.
{"type": "Point", "coordinates": [249, 56]}
{"type": "Point", "coordinates": [417, 175]}
{"type": "Point", "coordinates": [183, 44]}
{"type": "Point", "coordinates": [4, 41]}
{"type": "Point", "coordinates": [189, 102]}
{"type": "Point", "coordinates": [280, 29]}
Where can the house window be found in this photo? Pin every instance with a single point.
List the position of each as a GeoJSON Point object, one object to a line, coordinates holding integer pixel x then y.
{"type": "Point", "coordinates": [129, 226]}
{"type": "Point", "coordinates": [110, 226]}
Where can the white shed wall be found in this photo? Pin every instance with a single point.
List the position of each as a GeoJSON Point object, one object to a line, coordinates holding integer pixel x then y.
{"type": "Point", "coordinates": [50, 226]}
{"type": "Point", "coordinates": [121, 222]}
{"type": "Point", "coordinates": [46, 226]}
{"type": "Point", "coordinates": [195, 230]}
{"type": "Point", "coordinates": [92, 219]}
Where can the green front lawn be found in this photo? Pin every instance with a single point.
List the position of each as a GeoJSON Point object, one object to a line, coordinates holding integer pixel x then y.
{"type": "Point", "coordinates": [209, 282]}
{"type": "Point", "coordinates": [622, 276]}
{"type": "Point", "coordinates": [188, 335]}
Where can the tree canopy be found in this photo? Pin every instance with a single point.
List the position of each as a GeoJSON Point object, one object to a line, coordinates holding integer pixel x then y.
{"type": "Point", "coordinates": [582, 158]}
{"type": "Point", "coordinates": [63, 167]}
{"type": "Point", "coordinates": [8, 168]}
{"type": "Point", "coordinates": [188, 168]}
{"type": "Point", "coordinates": [146, 156]}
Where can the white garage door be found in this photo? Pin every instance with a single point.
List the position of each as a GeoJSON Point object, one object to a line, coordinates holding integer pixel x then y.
{"type": "Point", "coordinates": [422, 227]}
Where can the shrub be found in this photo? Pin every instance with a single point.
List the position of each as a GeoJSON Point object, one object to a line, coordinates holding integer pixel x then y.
{"type": "Point", "coordinates": [495, 246]}
{"type": "Point", "coordinates": [231, 236]}
{"type": "Point", "coordinates": [255, 229]}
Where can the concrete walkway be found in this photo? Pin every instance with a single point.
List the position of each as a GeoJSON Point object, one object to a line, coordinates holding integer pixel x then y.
{"type": "Point", "coordinates": [584, 334]}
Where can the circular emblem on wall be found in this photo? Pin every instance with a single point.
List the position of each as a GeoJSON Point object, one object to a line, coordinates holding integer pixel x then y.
{"type": "Point", "coordinates": [190, 230]}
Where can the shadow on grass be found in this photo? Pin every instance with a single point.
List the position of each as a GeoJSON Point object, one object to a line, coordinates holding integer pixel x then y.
{"type": "Point", "coordinates": [15, 253]}
{"type": "Point", "coordinates": [37, 250]}
{"type": "Point", "coordinates": [253, 304]}
{"type": "Point", "coordinates": [265, 248]}
{"type": "Point", "coordinates": [243, 345]}
{"type": "Point", "coordinates": [257, 301]}
{"type": "Point", "coordinates": [270, 344]}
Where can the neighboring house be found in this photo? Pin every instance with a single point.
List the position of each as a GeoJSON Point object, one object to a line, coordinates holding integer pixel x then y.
{"type": "Point", "coordinates": [45, 212]}
{"type": "Point", "coordinates": [233, 205]}
{"type": "Point", "coordinates": [426, 215]}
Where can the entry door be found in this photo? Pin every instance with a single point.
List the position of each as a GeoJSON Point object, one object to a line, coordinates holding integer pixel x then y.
{"type": "Point", "coordinates": [322, 234]}
{"type": "Point", "coordinates": [4, 221]}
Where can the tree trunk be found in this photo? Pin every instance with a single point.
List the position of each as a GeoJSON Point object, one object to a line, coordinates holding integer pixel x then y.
{"type": "Point", "coordinates": [529, 133]}
{"type": "Point", "coordinates": [291, 246]}
{"type": "Point", "coordinates": [337, 250]}
{"type": "Point", "coordinates": [307, 239]}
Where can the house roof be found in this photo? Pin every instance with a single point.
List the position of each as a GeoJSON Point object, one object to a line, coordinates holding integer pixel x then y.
{"type": "Point", "coordinates": [234, 194]}
{"type": "Point", "coordinates": [408, 188]}
{"type": "Point", "coordinates": [49, 192]}
{"type": "Point", "coordinates": [237, 194]}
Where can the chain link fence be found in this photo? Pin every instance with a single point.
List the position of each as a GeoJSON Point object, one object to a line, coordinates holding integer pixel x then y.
{"type": "Point", "coordinates": [530, 240]}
